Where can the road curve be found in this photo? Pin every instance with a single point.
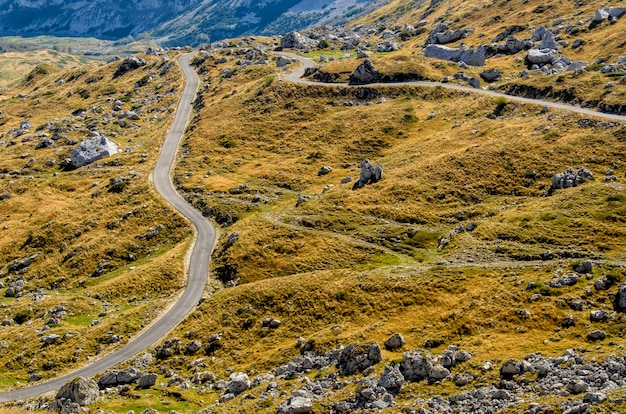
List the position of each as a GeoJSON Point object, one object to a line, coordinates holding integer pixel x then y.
{"type": "Point", "coordinates": [296, 76]}
{"type": "Point", "coordinates": [198, 261]}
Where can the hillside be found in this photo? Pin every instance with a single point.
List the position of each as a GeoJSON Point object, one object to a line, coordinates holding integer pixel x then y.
{"type": "Point", "coordinates": [471, 276]}
{"type": "Point", "coordinates": [89, 255]}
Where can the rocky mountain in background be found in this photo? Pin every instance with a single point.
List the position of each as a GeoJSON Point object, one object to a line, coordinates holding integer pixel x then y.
{"type": "Point", "coordinates": [174, 22]}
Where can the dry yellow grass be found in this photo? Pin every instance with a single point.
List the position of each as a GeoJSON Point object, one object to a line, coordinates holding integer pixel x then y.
{"type": "Point", "coordinates": [74, 223]}
{"type": "Point", "coordinates": [354, 265]}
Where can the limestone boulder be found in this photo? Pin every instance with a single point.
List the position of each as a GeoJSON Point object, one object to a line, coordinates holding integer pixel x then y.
{"type": "Point", "coordinates": [92, 150]}
{"type": "Point", "coordinates": [365, 73]}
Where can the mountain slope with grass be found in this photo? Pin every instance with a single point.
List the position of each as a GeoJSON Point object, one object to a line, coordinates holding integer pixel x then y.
{"type": "Point", "coordinates": [481, 270]}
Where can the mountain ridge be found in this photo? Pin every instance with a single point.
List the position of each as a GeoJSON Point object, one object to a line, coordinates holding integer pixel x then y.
{"type": "Point", "coordinates": [176, 23]}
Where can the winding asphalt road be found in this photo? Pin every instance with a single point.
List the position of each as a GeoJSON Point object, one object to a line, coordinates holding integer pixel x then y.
{"type": "Point", "coordinates": [296, 76]}
{"type": "Point", "coordinates": [198, 260]}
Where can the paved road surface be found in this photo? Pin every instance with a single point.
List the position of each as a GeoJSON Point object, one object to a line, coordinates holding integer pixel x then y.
{"type": "Point", "coordinates": [198, 262]}
{"type": "Point", "coordinates": [295, 76]}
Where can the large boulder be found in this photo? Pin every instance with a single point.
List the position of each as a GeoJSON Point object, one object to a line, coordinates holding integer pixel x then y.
{"type": "Point", "coordinates": [79, 390]}
{"type": "Point", "coordinates": [147, 380]}
{"type": "Point", "coordinates": [416, 365]}
{"type": "Point", "coordinates": [238, 383]}
{"type": "Point", "coordinates": [392, 379]}
{"type": "Point", "coordinates": [295, 40]}
{"type": "Point", "coordinates": [570, 178]}
{"type": "Point", "coordinates": [472, 57]}
{"type": "Point", "coordinates": [129, 64]}
{"type": "Point", "coordinates": [296, 405]}
{"type": "Point", "coordinates": [92, 150]}
{"type": "Point", "coordinates": [365, 73]}
{"type": "Point", "coordinates": [620, 298]}
{"type": "Point", "coordinates": [548, 42]}
{"type": "Point", "coordinates": [357, 357]}
{"type": "Point", "coordinates": [540, 56]}
{"type": "Point", "coordinates": [370, 173]}
{"type": "Point", "coordinates": [450, 36]}
{"type": "Point", "coordinates": [490, 75]}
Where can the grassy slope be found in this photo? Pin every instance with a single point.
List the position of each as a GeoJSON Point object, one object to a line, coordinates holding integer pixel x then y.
{"type": "Point", "coordinates": [73, 223]}
{"type": "Point", "coordinates": [353, 265]}
{"type": "Point", "coordinates": [342, 267]}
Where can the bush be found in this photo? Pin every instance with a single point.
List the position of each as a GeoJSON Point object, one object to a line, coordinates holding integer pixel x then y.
{"type": "Point", "coordinates": [228, 143]}
{"type": "Point", "coordinates": [22, 316]}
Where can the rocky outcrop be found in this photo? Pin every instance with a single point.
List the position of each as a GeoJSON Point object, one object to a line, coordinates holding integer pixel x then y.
{"type": "Point", "coordinates": [93, 149]}
{"type": "Point", "coordinates": [540, 56]}
{"type": "Point", "coordinates": [472, 57]}
{"type": "Point", "coordinates": [119, 377]}
{"type": "Point", "coordinates": [238, 382]}
{"type": "Point", "coordinates": [365, 73]}
{"type": "Point", "coordinates": [295, 40]}
{"type": "Point", "coordinates": [570, 178]}
{"type": "Point", "coordinates": [296, 405]}
{"type": "Point", "coordinates": [490, 75]}
{"type": "Point", "coordinates": [370, 173]}
{"type": "Point", "coordinates": [75, 394]}
{"type": "Point", "coordinates": [357, 357]}
{"type": "Point", "coordinates": [395, 342]}
{"type": "Point", "coordinates": [387, 46]}
{"type": "Point", "coordinates": [128, 64]}
{"type": "Point", "coordinates": [620, 298]}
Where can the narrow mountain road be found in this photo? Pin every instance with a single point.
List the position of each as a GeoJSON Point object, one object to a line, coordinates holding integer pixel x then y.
{"type": "Point", "coordinates": [198, 261]}
{"type": "Point", "coordinates": [296, 76]}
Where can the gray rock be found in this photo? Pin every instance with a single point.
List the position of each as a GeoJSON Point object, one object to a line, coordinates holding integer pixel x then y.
{"type": "Point", "coordinates": [370, 173]}
{"type": "Point", "coordinates": [594, 397]}
{"type": "Point", "coordinates": [92, 150]}
{"type": "Point", "coordinates": [576, 66]}
{"type": "Point", "coordinates": [511, 367]}
{"type": "Point", "coordinates": [147, 380]}
{"type": "Point", "coordinates": [129, 64]}
{"type": "Point", "coordinates": [295, 40]}
{"type": "Point", "coordinates": [238, 383]}
{"type": "Point", "coordinates": [620, 298]}
{"type": "Point", "coordinates": [584, 267]}
{"type": "Point", "coordinates": [128, 375]}
{"type": "Point", "coordinates": [50, 339]}
{"type": "Point", "coordinates": [491, 75]}
{"type": "Point", "coordinates": [325, 170]}
{"type": "Point", "coordinates": [296, 405]}
{"type": "Point", "coordinates": [416, 365]}
{"type": "Point", "coordinates": [22, 264]}
{"type": "Point", "coordinates": [392, 379]}
{"type": "Point", "coordinates": [577, 387]}
{"type": "Point", "coordinates": [570, 178]}
{"type": "Point", "coordinates": [596, 335]}
{"type": "Point", "coordinates": [450, 36]}
{"type": "Point", "coordinates": [395, 342]}
{"type": "Point", "coordinates": [501, 395]}
{"type": "Point", "coordinates": [471, 57]}
{"type": "Point", "coordinates": [79, 390]}
{"type": "Point", "coordinates": [540, 56]}
{"type": "Point", "coordinates": [548, 42]}
{"type": "Point", "coordinates": [438, 373]}
{"type": "Point", "coordinates": [365, 73]}
{"type": "Point", "coordinates": [194, 346]}
{"type": "Point", "coordinates": [301, 199]}
{"type": "Point", "coordinates": [474, 83]}
{"type": "Point", "coordinates": [282, 61]}
{"type": "Point", "coordinates": [45, 143]}
{"type": "Point", "coordinates": [577, 43]}
{"type": "Point", "coordinates": [598, 316]}
{"type": "Point", "coordinates": [387, 46]}
{"type": "Point", "coordinates": [601, 15]}
{"type": "Point", "coordinates": [357, 357]}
